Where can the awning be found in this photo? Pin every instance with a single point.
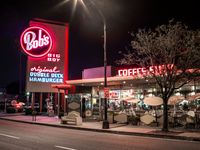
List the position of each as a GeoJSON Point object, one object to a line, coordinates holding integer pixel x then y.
{"type": "Point", "coordinates": [62, 86]}
{"type": "Point", "coordinates": [175, 99]}
{"type": "Point", "coordinates": [193, 97]}
{"type": "Point", "coordinates": [153, 101]}
{"type": "Point", "coordinates": [131, 100]}
{"type": "Point", "coordinates": [116, 80]}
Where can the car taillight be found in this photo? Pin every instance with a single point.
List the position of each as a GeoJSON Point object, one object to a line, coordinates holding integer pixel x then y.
{"type": "Point", "coordinates": [17, 106]}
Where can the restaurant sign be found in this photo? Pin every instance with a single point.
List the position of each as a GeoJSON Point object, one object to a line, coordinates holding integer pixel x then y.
{"type": "Point", "coordinates": [141, 72]}
{"type": "Point", "coordinates": [45, 43]}
{"type": "Point", "coordinates": [36, 41]}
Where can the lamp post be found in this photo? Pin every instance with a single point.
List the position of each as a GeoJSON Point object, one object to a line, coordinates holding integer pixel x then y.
{"type": "Point", "coordinates": [105, 121]}
{"type": "Point", "coordinates": [105, 124]}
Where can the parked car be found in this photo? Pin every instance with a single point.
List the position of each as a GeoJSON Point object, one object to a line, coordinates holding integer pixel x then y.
{"type": "Point", "coordinates": [14, 106]}
{"type": "Point", "coordinates": [19, 107]}
{"type": "Point", "coordinates": [10, 109]}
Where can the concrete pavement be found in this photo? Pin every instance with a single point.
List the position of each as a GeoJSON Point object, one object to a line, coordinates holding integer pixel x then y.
{"type": "Point", "coordinates": [114, 128]}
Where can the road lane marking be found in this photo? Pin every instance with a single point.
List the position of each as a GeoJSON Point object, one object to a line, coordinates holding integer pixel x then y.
{"type": "Point", "coordinates": [10, 136]}
{"type": "Point", "coordinates": [62, 147]}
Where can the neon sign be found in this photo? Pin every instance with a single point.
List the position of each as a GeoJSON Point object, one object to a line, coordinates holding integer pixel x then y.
{"type": "Point", "coordinates": [132, 72]}
{"type": "Point", "coordinates": [36, 41]}
{"type": "Point", "coordinates": [44, 74]}
{"type": "Point", "coordinates": [156, 70]}
{"type": "Point", "coordinates": [53, 57]}
{"type": "Point", "coordinates": [44, 69]}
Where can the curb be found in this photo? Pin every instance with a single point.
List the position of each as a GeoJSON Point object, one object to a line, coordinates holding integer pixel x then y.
{"type": "Point", "coordinates": [162, 135]}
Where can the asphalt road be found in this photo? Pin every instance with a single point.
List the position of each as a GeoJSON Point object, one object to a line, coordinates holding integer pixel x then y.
{"type": "Point", "coordinates": [22, 136]}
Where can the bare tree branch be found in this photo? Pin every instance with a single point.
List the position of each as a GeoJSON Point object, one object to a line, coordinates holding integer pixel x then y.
{"type": "Point", "coordinates": [173, 49]}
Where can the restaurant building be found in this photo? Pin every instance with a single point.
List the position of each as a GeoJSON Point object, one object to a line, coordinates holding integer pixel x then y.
{"type": "Point", "coordinates": [125, 86]}
{"type": "Point", "coordinates": [46, 45]}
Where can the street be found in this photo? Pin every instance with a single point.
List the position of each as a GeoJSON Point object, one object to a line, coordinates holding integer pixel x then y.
{"type": "Point", "coordinates": [22, 136]}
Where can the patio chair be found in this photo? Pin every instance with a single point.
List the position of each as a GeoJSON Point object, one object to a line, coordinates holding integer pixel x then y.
{"type": "Point", "coordinates": [190, 122]}
{"type": "Point", "coordinates": [190, 119]}
{"type": "Point", "coordinates": [147, 119]}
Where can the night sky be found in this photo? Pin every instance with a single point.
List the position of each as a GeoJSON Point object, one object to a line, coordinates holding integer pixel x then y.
{"type": "Point", "coordinates": [86, 28]}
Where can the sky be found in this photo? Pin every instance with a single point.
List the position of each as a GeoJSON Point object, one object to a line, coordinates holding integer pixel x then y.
{"type": "Point", "coordinates": [86, 28]}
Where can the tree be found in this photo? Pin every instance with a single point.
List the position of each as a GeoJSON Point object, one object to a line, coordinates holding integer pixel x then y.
{"type": "Point", "coordinates": [173, 50]}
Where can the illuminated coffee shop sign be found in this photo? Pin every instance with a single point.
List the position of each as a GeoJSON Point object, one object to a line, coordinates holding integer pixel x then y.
{"type": "Point", "coordinates": [141, 72]}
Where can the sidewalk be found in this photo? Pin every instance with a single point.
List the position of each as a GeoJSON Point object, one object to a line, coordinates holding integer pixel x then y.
{"type": "Point", "coordinates": [114, 128]}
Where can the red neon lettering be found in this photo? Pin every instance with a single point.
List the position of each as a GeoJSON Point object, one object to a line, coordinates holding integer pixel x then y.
{"type": "Point", "coordinates": [120, 73]}
{"type": "Point", "coordinates": [144, 71]}
{"type": "Point", "coordinates": [125, 72]}
{"type": "Point", "coordinates": [134, 71]}
{"type": "Point", "coordinates": [170, 66]}
{"type": "Point", "coordinates": [130, 72]}
{"type": "Point", "coordinates": [151, 69]}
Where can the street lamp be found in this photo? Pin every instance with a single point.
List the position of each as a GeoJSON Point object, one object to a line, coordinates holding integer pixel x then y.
{"type": "Point", "coordinates": [105, 121]}
{"type": "Point", "coordinates": [105, 124]}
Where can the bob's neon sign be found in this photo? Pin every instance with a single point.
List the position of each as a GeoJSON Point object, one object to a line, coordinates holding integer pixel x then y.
{"type": "Point", "coordinates": [36, 41]}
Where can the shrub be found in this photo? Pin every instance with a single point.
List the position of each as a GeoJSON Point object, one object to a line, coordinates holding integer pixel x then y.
{"type": "Point", "coordinates": [10, 110]}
